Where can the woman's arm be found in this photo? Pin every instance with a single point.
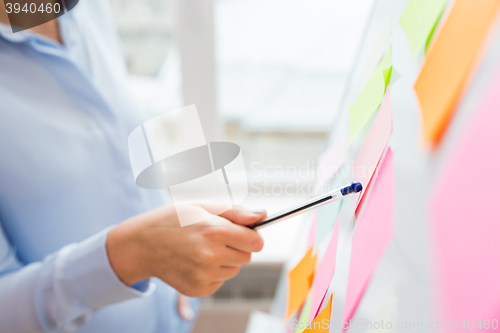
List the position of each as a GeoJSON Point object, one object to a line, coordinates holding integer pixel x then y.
{"type": "Point", "coordinates": [61, 292]}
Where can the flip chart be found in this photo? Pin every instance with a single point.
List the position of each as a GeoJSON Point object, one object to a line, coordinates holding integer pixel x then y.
{"type": "Point", "coordinates": [370, 97]}
{"type": "Point", "coordinates": [372, 236]}
{"type": "Point", "coordinates": [419, 21]}
{"type": "Point", "coordinates": [369, 156]}
{"type": "Point", "coordinates": [299, 282]}
{"type": "Point", "coordinates": [322, 321]}
{"type": "Point", "coordinates": [324, 272]}
{"type": "Point", "coordinates": [449, 61]}
{"type": "Point", "coordinates": [464, 218]}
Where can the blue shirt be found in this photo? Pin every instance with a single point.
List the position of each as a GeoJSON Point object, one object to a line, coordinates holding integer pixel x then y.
{"type": "Point", "coordinates": [65, 178]}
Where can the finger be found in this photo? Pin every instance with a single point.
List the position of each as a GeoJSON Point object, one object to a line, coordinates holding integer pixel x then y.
{"type": "Point", "coordinates": [236, 236]}
{"type": "Point", "coordinates": [214, 207]}
{"type": "Point", "coordinates": [233, 257]}
{"type": "Point", "coordinates": [243, 216]}
{"type": "Point", "coordinates": [225, 273]}
{"type": "Point", "coordinates": [244, 239]}
{"type": "Point", "coordinates": [212, 288]}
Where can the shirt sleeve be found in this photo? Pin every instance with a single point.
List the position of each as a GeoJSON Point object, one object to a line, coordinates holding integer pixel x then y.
{"type": "Point", "coordinates": [62, 292]}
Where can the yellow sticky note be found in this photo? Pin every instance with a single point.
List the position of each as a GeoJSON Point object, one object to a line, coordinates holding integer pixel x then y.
{"type": "Point", "coordinates": [371, 96]}
{"type": "Point", "coordinates": [321, 324]}
{"type": "Point", "coordinates": [299, 282]}
{"type": "Point", "coordinates": [419, 20]}
{"type": "Point", "coordinates": [449, 62]}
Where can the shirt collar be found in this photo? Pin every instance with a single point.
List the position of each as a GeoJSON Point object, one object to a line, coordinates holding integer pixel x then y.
{"type": "Point", "coordinates": [19, 37]}
{"type": "Point", "coordinates": [36, 42]}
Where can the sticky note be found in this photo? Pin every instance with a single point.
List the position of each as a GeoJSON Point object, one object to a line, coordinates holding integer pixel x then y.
{"type": "Point", "coordinates": [327, 214]}
{"type": "Point", "coordinates": [322, 321]}
{"type": "Point", "coordinates": [395, 76]}
{"type": "Point", "coordinates": [465, 219]}
{"type": "Point", "coordinates": [372, 150]}
{"type": "Point", "coordinates": [299, 282]}
{"type": "Point", "coordinates": [324, 272]}
{"type": "Point", "coordinates": [419, 21]}
{"type": "Point", "coordinates": [370, 97]}
{"type": "Point", "coordinates": [449, 61]}
{"type": "Point", "coordinates": [304, 316]}
{"type": "Point", "coordinates": [372, 235]}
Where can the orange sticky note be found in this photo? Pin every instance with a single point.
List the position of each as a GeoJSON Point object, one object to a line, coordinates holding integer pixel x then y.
{"type": "Point", "coordinates": [449, 62]}
{"type": "Point", "coordinates": [299, 282]}
{"type": "Point", "coordinates": [321, 323]}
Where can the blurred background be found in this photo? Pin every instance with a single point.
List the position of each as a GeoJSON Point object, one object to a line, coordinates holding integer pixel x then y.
{"type": "Point", "coordinates": [265, 74]}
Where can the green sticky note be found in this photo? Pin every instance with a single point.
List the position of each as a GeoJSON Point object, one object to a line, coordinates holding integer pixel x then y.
{"type": "Point", "coordinates": [385, 67]}
{"type": "Point", "coordinates": [419, 21]}
{"type": "Point", "coordinates": [328, 214]}
{"type": "Point", "coordinates": [304, 316]}
{"type": "Point", "coordinates": [429, 38]}
{"type": "Point", "coordinates": [371, 96]}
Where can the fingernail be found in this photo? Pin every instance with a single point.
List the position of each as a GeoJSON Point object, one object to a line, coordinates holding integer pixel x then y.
{"type": "Point", "coordinates": [258, 211]}
{"type": "Point", "coordinates": [186, 312]}
{"type": "Point", "coordinates": [184, 308]}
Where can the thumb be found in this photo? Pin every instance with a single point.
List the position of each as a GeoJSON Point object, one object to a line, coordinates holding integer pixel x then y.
{"type": "Point", "coordinates": [243, 216]}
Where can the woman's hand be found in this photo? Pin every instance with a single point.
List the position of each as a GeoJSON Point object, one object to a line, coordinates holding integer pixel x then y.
{"type": "Point", "coordinates": [196, 259]}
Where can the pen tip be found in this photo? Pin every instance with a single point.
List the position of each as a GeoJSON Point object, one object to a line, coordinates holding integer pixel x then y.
{"type": "Point", "coordinates": [357, 187]}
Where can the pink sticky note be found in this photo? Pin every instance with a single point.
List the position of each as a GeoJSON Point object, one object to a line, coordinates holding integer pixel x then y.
{"type": "Point", "coordinates": [324, 273]}
{"type": "Point", "coordinates": [369, 156]}
{"type": "Point", "coordinates": [465, 220]}
{"type": "Point", "coordinates": [372, 236]}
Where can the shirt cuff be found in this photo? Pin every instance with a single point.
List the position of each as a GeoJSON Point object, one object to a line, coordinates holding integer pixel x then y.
{"type": "Point", "coordinates": [77, 280]}
{"type": "Point", "coordinates": [89, 274]}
